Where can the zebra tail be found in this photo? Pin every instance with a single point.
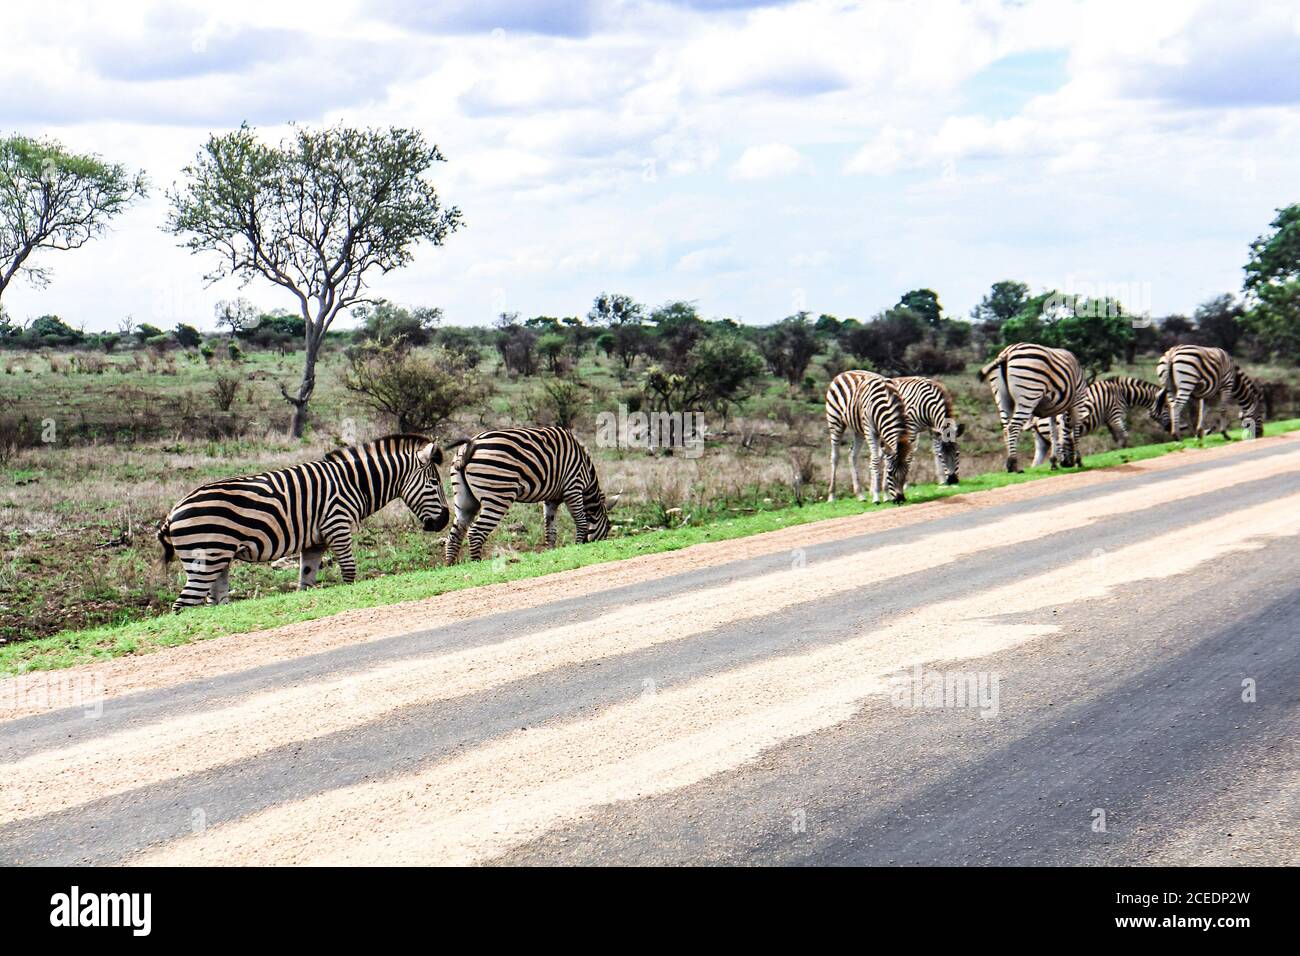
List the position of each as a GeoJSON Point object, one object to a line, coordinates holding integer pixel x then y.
{"type": "Point", "coordinates": [164, 539]}
{"type": "Point", "coordinates": [987, 370]}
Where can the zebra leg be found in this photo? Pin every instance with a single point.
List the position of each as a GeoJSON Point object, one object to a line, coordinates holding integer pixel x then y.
{"type": "Point", "coordinates": [853, 466]}
{"type": "Point", "coordinates": [491, 511]}
{"type": "Point", "coordinates": [202, 569]}
{"type": "Point", "coordinates": [835, 461]}
{"type": "Point", "coordinates": [577, 508]}
{"type": "Point", "coordinates": [1016, 423]}
{"type": "Point", "coordinates": [1119, 431]}
{"type": "Point", "coordinates": [549, 508]}
{"type": "Point", "coordinates": [219, 593]}
{"type": "Point", "coordinates": [308, 566]}
{"type": "Point", "coordinates": [1070, 456]}
{"type": "Point", "coordinates": [1200, 422]}
{"type": "Point", "coordinates": [340, 545]}
{"type": "Point", "coordinates": [1054, 428]}
{"type": "Point", "coordinates": [913, 437]}
{"type": "Point", "coordinates": [467, 509]}
{"type": "Point", "coordinates": [1042, 446]}
{"type": "Point", "coordinates": [1012, 424]}
{"type": "Point", "coordinates": [877, 470]}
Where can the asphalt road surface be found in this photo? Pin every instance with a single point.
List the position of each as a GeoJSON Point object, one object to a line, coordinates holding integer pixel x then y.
{"type": "Point", "coordinates": [1101, 668]}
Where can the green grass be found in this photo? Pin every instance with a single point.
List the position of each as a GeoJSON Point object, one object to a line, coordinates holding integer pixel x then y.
{"type": "Point", "coordinates": [76, 647]}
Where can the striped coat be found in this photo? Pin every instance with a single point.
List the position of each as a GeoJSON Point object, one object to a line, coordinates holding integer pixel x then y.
{"type": "Point", "coordinates": [871, 408]}
{"type": "Point", "coordinates": [494, 469]}
{"type": "Point", "coordinates": [1108, 401]}
{"type": "Point", "coordinates": [302, 510]}
{"type": "Point", "coordinates": [1201, 374]}
{"type": "Point", "coordinates": [1029, 380]}
{"type": "Point", "coordinates": [929, 409]}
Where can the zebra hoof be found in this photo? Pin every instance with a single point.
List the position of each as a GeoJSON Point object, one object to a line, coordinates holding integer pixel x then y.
{"type": "Point", "coordinates": [951, 480]}
{"type": "Point", "coordinates": [1013, 466]}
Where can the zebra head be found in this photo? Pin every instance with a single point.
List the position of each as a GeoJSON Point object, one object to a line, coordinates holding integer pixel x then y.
{"type": "Point", "coordinates": [896, 462]}
{"type": "Point", "coordinates": [597, 507]}
{"type": "Point", "coordinates": [949, 452]}
{"type": "Point", "coordinates": [1250, 399]}
{"type": "Point", "coordinates": [1160, 411]}
{"type": "Point", "coordinates": [422, 489]}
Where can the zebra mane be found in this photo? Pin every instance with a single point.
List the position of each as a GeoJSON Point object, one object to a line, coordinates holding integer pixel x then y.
{"type": "Point", "coordinates": [361, 448]}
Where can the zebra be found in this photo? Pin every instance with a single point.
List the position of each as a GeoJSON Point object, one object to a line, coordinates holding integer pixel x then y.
{"type": "Point", "coordinates": [1107, 401]}
{"type": "Point", "coordinates": [929, 407]}
{"type": "Point", "coordinates": [494, 469]}
{"type": "Point", "coordinates": [871, 407]}
{"type": "Point", "coordinates": [1206, 374]}
{"type": "Point", "coordinates": [300, 510]}
{"type": "Point", "coordinates": [1027, 380]}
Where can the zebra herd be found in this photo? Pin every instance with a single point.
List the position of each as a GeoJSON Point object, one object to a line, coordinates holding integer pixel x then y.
{"type": "Point", "coordinates": [314, 507]}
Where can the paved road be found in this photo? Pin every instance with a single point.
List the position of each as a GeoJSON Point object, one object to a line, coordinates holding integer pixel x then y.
{"type": "Point", "coordinates": [1092, 669]}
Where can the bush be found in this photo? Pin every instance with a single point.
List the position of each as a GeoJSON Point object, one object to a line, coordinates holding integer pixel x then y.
{"type": "Point", "coordinates": [419, 390]}
{"type": "Point", "coordinates": [225, 389]}
{"type": "Point", "coordinates": [789, 346]}
{"type": "Point", "coordinates": [563, 401]}
{"type": "Point", "coordinates": [516, 344]}
{"type": "Point", "coordinates": [384, 322]}
{"type": "Point", "coordinates": [883, 342]}
{"type": "Point", "coordinates": [464, 343]}
{"type": "Point", "coordinates": [927, 359]}
{"type": "Point", "coordinates": [187, 335]}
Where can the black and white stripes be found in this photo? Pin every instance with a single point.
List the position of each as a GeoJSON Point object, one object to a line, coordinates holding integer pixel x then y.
{"type": "Point", "coordinates": [494, 469]}
{"type": "Point", "coordinates": [929, 408]}
{"type": "Point", "coordinates": [1203, 374]}
{"type": "Point", "coordinates": [1108, 401]}
{"type": "Point", "coordinates": [1028, 381]}
{"type": "Point", "coordinates": [300, 510]}
{"type": "Point", "coordinates": [870, 407]}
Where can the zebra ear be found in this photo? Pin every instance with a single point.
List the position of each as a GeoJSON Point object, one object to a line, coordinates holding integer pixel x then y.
{"type": "Point", "coordinates": [961, 429]}
{"type": "Point", "coordinates": [429, 454]}
{"type": "Point", "coordinates": [611, 501]}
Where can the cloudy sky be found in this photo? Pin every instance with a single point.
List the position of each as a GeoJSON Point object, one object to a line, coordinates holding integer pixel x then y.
{"type": "Point", "coordinates": [757, 158]}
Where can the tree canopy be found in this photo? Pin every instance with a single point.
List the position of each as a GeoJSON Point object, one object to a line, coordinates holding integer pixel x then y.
{"type": "Point", "coordinates": [52, 198]}
{"type": "Point", "coordinates": [317, 215]}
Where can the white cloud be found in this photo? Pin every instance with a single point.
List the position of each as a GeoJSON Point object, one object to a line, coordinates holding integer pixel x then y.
{"type": "Point", "coordinates": [764, 162]}
{"type": "Point", "coordinates": [586, 146]}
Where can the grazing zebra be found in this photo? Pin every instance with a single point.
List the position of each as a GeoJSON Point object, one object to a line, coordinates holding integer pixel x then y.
{"type": "Point", "coordinates": [929, 407]}
{"type": "Point", "coordinates": [1205, 374]}
{"type": "Point", "coordinates": [871, 408]}
{"type": "Point", "coordinates": [494, 469]}
{"type": "Point", "coordinates": [1030, 380]}
{"type": "Point", "coordinates": [300, 510]}
{"type": "Point", "coordinates": [1109, 401]}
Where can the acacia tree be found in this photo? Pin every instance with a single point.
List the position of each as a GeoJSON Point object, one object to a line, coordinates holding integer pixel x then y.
{"type": "Point", "coordinates": [51, 198]}
{"type": "Point", "coordinates": [316, 215]}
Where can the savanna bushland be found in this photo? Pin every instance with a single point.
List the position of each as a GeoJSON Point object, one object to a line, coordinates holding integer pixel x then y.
{"type": "Point", "coordinates": [101, 432]}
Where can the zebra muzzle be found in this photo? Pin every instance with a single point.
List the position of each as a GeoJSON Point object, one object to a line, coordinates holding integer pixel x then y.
{"type": "Point", "coordinates": [438, 523]}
